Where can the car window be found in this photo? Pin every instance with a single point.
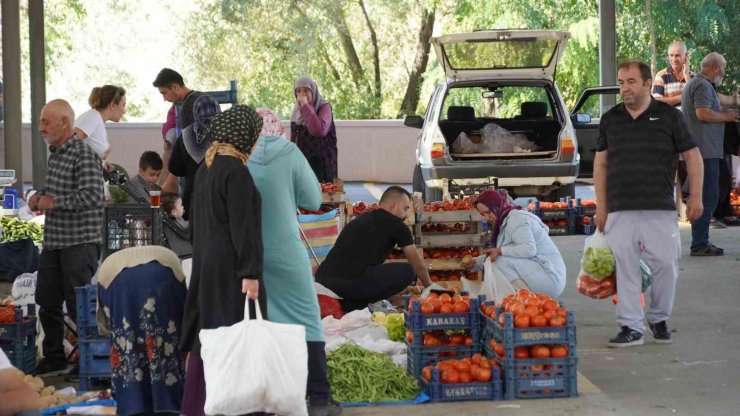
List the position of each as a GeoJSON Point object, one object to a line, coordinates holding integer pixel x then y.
{"type": "Point", "coordinates": [592, 105]}
{"type": "Point", "coordinates": [504, 102]}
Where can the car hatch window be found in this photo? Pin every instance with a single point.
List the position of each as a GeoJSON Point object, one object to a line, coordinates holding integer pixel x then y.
{"type": "Point", "coordinates": [502, 102]}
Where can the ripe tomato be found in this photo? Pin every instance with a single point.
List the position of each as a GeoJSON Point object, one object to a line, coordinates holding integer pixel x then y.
{"type": "Point", "coordinates": [431, 341]}
{"type": "Point", "coordinates": [474, 371]}
{"type": "Point", "coordinates": [426, 373]}
{"type": "Point", "coordinates": [484, 363]}
{"type": "Point", "coordinates": [500, 350]}
{"type": "Point", "coordinates": [550, 305]}
{"type": "Point", "coordinates": [484, 375]}
{"type": "Point", "coordinates": [532, 311]}
{"type": "Point", "coordinates": [537, 367]}
{"type": "Point", "coordinates": [476, 358]}
{"type": "Point", "coordinates": [557, 321]}
{"type": "Point", "coordinates": [522, 321]}
{"type": "Point", "coordinates": [468, 340]}
{"type": "Point", "coordinates": [436, 304]}
{"type": "Point", "coordinates": [538, 321]}
{"type": "Point", "coordinates": [559, 351]}
{"type": "Point", "coordinates": [427, 308]}
{"type": "Point", "coordinates": [446, 365]}
{"type": "Point", "coordinates": [460, 307]}
{"type": "Point", "coordinates": [450, 376]}
{"type": "Point", "coordinates": [410, 337]}
{"type": "Point", "coordinates": [518, 309]}
{"type": "Point", "coordinates": [446, 308]}
{"type": "Point", "coordinates": [457, 298]}
{"type": "Point", "coordinates": [492, 344]}
{"type": "Point", "coordinates": [462, 367]}
{"type": "Point", "coordinates": [457, 339]}
{"type": "Point", "coordinates": [521, 353]}
{"type": "Point", "coordinates": [445, 298]}
{"type": "Point", "coordinates": [490, 311]}
{"type": "Point", "coordinates": [540, 351]}
{"type": "Point", "coordinates": [466, 377]}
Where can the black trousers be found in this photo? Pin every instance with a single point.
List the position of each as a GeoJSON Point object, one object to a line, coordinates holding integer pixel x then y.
{"type": "Point", "coordinates": [60, 272]}
{"type": "Point", "coordinates": [317, 388]}
{"type": "Point", "coordinates": [725, 186]}
{"type": "Point", "coordinates": [374, 284]}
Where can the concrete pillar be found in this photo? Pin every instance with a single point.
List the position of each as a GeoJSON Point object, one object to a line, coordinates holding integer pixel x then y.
{"type": "Point", "coordinates": [12, 88]}
{"type": "Point", "coordinates": [38, 88]}
{"type": "Point", "coordinates": [607, 51]}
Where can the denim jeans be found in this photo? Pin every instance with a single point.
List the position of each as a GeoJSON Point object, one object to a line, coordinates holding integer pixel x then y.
{"type": "Point", "coordinates": [710, 199]}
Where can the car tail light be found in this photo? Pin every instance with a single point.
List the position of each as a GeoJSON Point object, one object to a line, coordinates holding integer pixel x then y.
{"type": "Point", "coordinates": [438, 151]}
{"type": "Point", "coordinates": [567, 148]}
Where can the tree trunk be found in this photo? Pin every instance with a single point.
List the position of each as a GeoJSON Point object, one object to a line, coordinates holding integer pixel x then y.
{"type": "Point", "coordinates": [411, 98]}
{"type": "Point", "coordinates": [651, 32]}
{"type": "Point", "coordinates": [345, 38]}
{"type": "Point", "coordinates": [376, 53]}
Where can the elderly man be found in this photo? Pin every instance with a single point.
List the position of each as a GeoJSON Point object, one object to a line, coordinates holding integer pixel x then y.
{"type": "Point", "coordinates": [702, 106]}
{"type": "Point", "coordinates": [669, 82]}
{"type": "Point", "coordinates": [639, 143]}
{"type": "Point", "coordinates": [73, 202]}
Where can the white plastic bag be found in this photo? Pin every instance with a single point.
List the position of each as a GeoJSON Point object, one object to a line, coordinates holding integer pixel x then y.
{"type": "Point", "coordinates": [598, 260]}
{"type": "Point", "coordinates": [255, 366]}
{"type": "Point", "coordinates": [500, 140]}
{"type": "Point", "coordinates": [495, 285]}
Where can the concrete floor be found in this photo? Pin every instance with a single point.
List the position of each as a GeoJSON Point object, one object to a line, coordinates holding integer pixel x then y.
{"type": "Point", "coordinates": [699, 374]}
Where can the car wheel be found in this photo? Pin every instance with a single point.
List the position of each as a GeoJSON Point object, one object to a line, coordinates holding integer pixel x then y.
{"type": "Point", "coordinates": [562, 192]}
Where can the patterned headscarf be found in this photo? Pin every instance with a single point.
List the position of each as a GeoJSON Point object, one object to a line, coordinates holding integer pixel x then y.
{"type": "Point", "coordinates": [271, 125]}
{"type": "Point", "coordinates": [195, 136]}
{"type": "Point", "coordinates": [318, 100]}
{"type": "Point", "coordinates": [498, 203]}
{"type": "Point", "coordinates": [234, 131]}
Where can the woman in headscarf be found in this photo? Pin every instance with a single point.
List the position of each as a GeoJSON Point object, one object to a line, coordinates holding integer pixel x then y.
{"type": "Point", "coordinates": [520, 246]}
{"type": "Point", "coordinates": [226, 226]}
{"type": "Point", "coordinates": [285, 182]}
{"type": "Point", "coordinates": [312, 129]}
{"type": "Point", "coordinates": [189, 151]}
{"type": "Point", "coordinates": [141, 301]}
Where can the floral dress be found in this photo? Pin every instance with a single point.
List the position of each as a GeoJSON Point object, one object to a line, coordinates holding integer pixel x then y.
{"type": "Point", "coordinates": [144, 307]}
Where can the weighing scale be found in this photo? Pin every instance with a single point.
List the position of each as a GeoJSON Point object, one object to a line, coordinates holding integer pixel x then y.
{"type": "Point", "coordinates": [9, 201]}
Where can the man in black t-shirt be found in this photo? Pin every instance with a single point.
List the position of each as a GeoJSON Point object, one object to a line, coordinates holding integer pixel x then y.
{"type": "Point", "coordinates": [354, 267]}
{"type": "Point", "coordinates": [635, 164]}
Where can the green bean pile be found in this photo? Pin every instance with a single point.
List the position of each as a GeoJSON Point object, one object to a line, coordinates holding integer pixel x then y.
{"type": "Point", "coordinates": [359, 375]}
{"type": "Point", "coordinates": [16, 229]}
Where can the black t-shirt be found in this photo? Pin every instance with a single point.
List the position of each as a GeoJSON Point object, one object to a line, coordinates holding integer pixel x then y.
{"type": "Point", "coordinates": [366, 241]}
{"type": "Point", "coordinates": [643, 152]}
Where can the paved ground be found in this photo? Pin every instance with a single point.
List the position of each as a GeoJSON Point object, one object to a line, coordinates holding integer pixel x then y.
{"type": "Point", "coordinates": [696, 375]}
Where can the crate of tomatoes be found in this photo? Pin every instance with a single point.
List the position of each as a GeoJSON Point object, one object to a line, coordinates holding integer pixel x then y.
{"type": "Point", "coordinates": [441, 312]}
{"type": "Point", "coordinates": [473, 378]}
{"type": "Point", "coordinates": [586, 225]}
{"type": "Point", "coordinates": [585, 207]}
{"type": "Point", "coordinates": [536, 371]}
{"type": "Point", "coordinates": [560, 227]}
{"type": "Point", "coordinates": [526, 318]}
{"type": "Point", "coordinates": [425, 348]}
{"type": "Point", "coordinates": [562, 210]}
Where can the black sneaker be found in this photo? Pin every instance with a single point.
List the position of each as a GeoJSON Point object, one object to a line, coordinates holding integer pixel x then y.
{"type": "Point", "coordinates": [330, 409]}
{"type": "Point", "coordinates": [660, 332]}
{"type": "Point", "coordinates": [49, 368]}
{"type": "Point", "coordinates": [709, 250]}
{"type": "Point", "coordinates": [626, 338]}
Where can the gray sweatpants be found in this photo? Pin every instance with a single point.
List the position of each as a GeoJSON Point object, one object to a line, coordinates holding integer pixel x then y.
{"type": "Point", "coordinates": [657, 232]}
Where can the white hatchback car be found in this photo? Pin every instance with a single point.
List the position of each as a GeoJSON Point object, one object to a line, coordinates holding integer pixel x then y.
{"type": "Point", "coordinates": [506, 78]}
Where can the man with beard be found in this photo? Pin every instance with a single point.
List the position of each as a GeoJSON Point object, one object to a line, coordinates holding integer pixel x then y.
{"type": "Point", "coordinates": [706, 119]}
{"type": "Point", "coordinates": [635, 164]}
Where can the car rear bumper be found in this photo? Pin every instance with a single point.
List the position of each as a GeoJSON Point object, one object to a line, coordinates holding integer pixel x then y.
{"type": "Point", "coordinates": [542, 178]}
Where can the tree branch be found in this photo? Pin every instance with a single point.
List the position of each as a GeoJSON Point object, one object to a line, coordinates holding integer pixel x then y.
{"type": "Point", "coordinates": [376, 53]}
{"type": "Point", "coordinates": [411, 98]}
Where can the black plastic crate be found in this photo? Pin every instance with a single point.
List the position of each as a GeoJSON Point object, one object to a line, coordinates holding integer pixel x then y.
{"type": "Point", "coordinates": [95, 358]}
{"type": "Point", "coordinates": [131, 225]}
{"type": "Point", "coordinates": [441, 392]}
{"type": "Point", "coordinates": [87, 325]}
{"type": "Point", "coordinates": [586, 229]}
{"type": "Point", "coordinates": [419, 357]}
{"type": "Point", "coordinates": [416, 321]}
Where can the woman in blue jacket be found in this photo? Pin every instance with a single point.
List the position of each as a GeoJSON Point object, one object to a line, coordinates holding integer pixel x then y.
{"type": "Point", "coordinates": [520, 246]}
